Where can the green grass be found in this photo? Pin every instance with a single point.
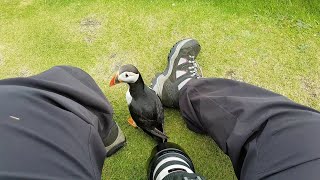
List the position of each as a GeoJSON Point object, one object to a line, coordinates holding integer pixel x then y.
{"type": "Point", "coordinates": [274, 44]}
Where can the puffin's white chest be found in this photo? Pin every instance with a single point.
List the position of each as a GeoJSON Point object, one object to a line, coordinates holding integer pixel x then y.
{"type": "Point", "coordinates": [128, 97]}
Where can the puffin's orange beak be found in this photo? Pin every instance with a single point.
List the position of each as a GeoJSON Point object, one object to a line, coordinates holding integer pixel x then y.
{"type": "Point", "coordinates": [114, 80]}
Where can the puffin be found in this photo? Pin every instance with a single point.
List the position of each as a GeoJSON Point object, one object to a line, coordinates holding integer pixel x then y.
{"type": "Point", "coordinates": [145, 107]}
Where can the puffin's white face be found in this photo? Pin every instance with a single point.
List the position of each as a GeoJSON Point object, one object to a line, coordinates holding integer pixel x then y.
{"type": "Point", "coordinates": [128, 77]}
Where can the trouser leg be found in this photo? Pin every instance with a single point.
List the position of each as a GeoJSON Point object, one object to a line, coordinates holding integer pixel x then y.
{"type": "Point", "coordinates": [53, 126]}
{"type": "Point", "coordinates": [265, 134]}
{"type": "Point", "coordinates": [70, 81]}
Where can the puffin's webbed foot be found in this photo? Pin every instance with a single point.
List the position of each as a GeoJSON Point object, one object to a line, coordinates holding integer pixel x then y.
{"type": "Point", "coordinates": [132, 123]}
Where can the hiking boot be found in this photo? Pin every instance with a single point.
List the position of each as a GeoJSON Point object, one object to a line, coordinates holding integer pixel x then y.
{"type": "Point", "coordinates": [115, 140]}
{"type": "Point", "coordinates": [181, 68]}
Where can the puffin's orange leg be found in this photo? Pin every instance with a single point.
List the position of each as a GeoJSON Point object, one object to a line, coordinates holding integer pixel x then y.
{"type": "Point", "coordinates": [132, 123]}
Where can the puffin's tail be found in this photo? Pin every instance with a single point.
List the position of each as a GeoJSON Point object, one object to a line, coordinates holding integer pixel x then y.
{"type": "Point", "coordinates": [156, 132]}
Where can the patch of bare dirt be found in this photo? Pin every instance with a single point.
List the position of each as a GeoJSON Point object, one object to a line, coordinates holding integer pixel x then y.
{"type": "Point", "coordinates": [1, 60]}
{"type": "Point", "coordinates": [311, 87]}
{"type": "Point", "coordinates": [25, 3]}
{"type": "Point", "coordinates": [231, 74]}
{"type": "Point", "coordinates": [89, 26]}
{"type": "Point", "coordinates": [25, 72]}
{"type": "Point", "coordinates": [108, 64]}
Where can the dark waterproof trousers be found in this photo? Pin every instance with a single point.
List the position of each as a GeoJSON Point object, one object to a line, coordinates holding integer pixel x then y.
{"type": "Point", "coordinates": [52, 126]}
{"type": "Point", "coordinates": [266, 135]}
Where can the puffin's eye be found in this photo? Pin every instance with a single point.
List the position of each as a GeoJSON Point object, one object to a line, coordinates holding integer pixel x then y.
{"type": "Point", "coordinates": [127, 75]}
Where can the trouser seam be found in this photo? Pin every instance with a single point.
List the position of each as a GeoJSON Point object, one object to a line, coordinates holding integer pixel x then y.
{"type": "Point", "coordinates": [93, 169]}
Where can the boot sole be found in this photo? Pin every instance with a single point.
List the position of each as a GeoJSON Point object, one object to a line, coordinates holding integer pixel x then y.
{"type": "Point", "coordinates": [117, 144]}
{"type": "Point", "coordinates": [116, 148]}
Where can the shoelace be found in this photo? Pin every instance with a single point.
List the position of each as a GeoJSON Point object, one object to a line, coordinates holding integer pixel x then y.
{"type": "Point", "coordinates": [194, 68]}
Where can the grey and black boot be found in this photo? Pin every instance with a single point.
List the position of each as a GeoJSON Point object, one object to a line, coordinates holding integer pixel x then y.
{"type": "Point", "coordinates": [115, 140]}
{"type": "Point", "coordinates": [181, 68]}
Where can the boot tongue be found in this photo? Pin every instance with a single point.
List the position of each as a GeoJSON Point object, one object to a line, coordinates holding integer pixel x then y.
{"type": "Point", "coordinates": [182, 61]}
{"type": "Point", "coordinates": [189, 66]}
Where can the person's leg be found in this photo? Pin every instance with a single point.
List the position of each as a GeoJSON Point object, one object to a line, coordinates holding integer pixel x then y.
{"type": "Point", "coordinates": [55, 125]}
{"type": "Point", "coordinates": [266, 135]}
{"type": "Point", "coordinates": [76, 84]}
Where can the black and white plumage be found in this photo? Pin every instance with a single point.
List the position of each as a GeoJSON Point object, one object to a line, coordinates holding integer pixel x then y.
{"type": "Point", "coordinates": [144, 105]}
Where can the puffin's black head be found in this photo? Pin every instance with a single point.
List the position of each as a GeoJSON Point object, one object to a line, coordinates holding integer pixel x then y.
{"type": "Point", "coordinates": [127, 73]}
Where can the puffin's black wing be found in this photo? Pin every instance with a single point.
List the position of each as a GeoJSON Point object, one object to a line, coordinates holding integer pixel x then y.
{"type": "Point", "coordinates": [160, 112]}
{"type": "Point", "coordinates": [160, 117]}
{"type": "Point", "coordinates": [151, 126]}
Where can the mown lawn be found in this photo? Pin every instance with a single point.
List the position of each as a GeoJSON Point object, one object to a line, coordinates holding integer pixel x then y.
{"type": "Point", "coordinates": [272, 44]}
